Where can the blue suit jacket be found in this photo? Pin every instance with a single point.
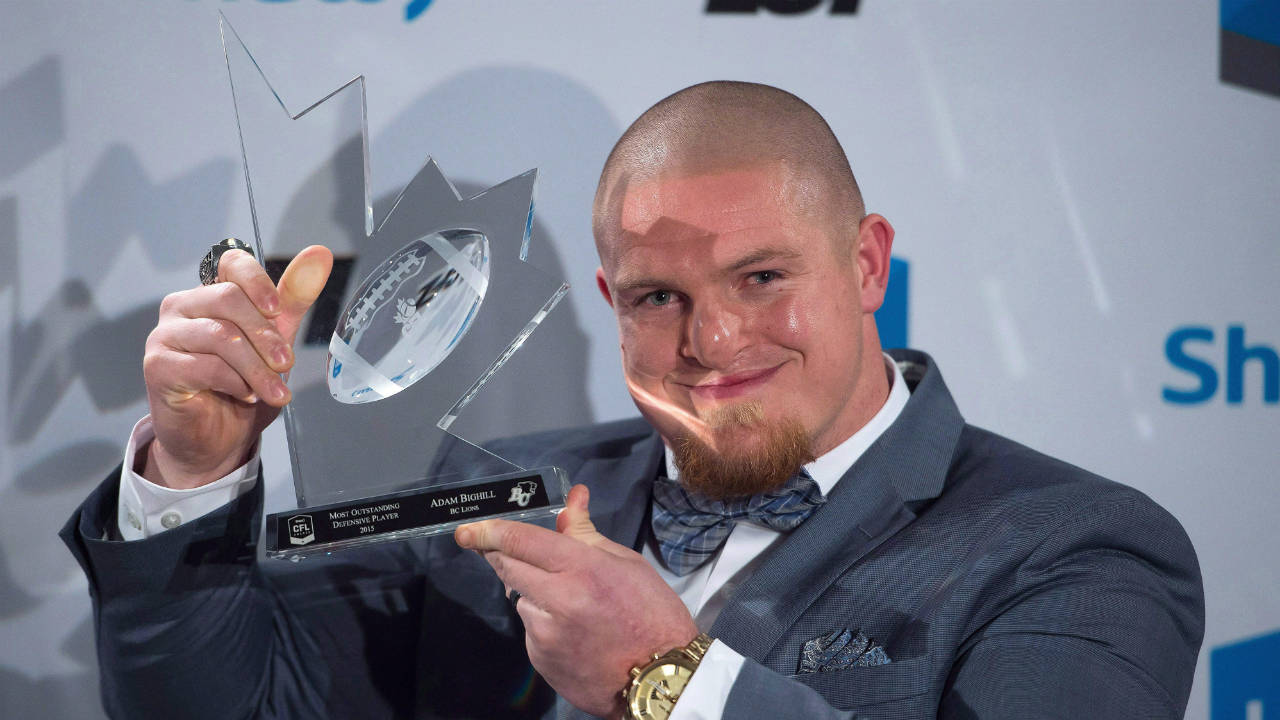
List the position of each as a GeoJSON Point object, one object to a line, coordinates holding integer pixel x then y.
{"type": "Point", "coordinates": [1001, 582]}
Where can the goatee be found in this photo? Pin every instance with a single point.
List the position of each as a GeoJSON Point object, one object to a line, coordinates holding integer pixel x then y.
{"type": "Point", "coordinates": [743, 454]}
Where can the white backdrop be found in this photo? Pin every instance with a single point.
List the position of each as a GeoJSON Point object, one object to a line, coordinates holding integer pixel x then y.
{"type": "Point", "coordinates": [1070, 181]}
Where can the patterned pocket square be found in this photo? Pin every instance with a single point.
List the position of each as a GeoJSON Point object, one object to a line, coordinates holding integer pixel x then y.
{"type": "Point", "coordinates": [841, 649]}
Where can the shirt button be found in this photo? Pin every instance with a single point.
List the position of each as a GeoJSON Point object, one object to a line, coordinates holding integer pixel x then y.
{"type": "Point", "coordinates": [170, 520]}
{"type": "Point", "coordinates": [134, 521]}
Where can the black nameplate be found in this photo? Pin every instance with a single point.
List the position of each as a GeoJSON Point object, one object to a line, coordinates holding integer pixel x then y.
{"type": "Point", "coordinates": [402, 513]}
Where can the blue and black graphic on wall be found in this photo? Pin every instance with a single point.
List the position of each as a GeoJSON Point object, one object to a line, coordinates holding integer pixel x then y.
{"type": "Point", "coordinates": [891, 318]}
{"type": "Point", "coordinates": [1249, 50]}
{"type": "Point", "coordinates": [1252, 368]}
{"type": "Point", "coordinates": [1244, 679]}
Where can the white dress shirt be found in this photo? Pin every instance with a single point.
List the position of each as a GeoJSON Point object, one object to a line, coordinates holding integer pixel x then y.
{"type": "Point", "coordinates": [146, 509]}
{"type": "Point", "coordinates": [706, 590]}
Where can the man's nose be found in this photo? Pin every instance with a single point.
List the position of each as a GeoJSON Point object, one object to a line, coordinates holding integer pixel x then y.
{"type": "Point", "coordinates": [714, 334]}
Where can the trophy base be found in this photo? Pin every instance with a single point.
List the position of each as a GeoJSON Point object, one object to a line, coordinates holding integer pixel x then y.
{"type": "Point", "coordinates": [324, 529]}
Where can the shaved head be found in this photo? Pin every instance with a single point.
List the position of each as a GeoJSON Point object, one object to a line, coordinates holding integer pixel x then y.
{"type": "Point", "coordinates": [722, 126]}
{"type": "Point", "coordinates": [744, 275]}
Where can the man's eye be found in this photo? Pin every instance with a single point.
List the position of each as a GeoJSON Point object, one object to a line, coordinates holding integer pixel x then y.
{"type": "Point", "coordinates": [658, 298]}
{"type": "Point", "coordinates": [763, 277]}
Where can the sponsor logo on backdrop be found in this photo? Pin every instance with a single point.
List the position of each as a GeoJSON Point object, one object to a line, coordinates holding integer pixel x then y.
{"type": "Point", "coordinates": [1243, 679]}
{"type": "Point", "coordinates": [782, 7]}
{"type": "Point", "coordinates": [1249, 44]}
{"type": "Point", "coordinates": [1206, 356]}
{"type": "Point", "coordinates": [891, 318]}
{"type": "Point", "coordinates": [412, 9]}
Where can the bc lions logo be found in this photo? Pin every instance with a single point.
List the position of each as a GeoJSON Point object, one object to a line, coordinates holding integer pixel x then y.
{"type": "Point", "coordinates": [523, 492]}
{"type": "Point", "coordinates": [301, 530]}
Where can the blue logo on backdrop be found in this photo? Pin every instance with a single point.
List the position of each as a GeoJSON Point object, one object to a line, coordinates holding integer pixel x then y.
{"type": "Point", "coordinates": [411, 11]}
{"type": "Point", "coordinates": [416, 8]}
{"type": "Point", "coordinates": [1193, 349]}
{"type": "Point", "coordinates": [1243, 681]}
{"type": "Point", "coordinates": [1249, 44]}
{"type": "Point", "coordinates": [891, 318]}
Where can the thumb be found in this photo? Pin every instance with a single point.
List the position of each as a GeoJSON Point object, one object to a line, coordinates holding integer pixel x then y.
{"type": "Point", "coordinates": [300, 285]}
{"type": "Point", "coordinates": [575, 520]}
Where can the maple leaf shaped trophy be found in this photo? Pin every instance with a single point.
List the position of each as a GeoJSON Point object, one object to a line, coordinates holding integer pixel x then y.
{"type": "Point", "coordinates": [420, 312]}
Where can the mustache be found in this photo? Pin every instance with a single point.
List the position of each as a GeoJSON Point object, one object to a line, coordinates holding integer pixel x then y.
{"type": "Point", "coordinates": [737, 414]}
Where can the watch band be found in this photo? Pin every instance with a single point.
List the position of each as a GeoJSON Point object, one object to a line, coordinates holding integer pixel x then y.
{"type": "Point", "coordinates": [697, 648]}
{"type": "Point", "coordinates": [689, 655]}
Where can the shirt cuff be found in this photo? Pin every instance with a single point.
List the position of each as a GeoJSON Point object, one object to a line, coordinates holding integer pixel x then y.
{"type": "Point", "coordinates": [708, 690]}
{"type": "Point", "coordinates": [146, 509]}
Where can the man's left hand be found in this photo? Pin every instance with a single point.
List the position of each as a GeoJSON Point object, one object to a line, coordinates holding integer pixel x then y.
{"type": "Point", "coordinates": [592, 609]}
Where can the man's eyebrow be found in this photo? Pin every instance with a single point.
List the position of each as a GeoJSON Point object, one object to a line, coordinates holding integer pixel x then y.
{"type": "Point", "coordinates": [763, 255]}
{"type": "Point", "coordinates": [624, 284]}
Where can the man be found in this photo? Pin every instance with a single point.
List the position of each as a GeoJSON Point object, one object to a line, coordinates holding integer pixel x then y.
{"type": "Point", "coordinates": [818, 509]}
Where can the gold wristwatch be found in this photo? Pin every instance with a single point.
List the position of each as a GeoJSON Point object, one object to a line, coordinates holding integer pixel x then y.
{"type": "Point", "coordinates": [657, 685]}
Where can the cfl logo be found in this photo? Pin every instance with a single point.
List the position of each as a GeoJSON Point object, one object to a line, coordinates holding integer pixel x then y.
{"type": "Point", "coordinates": [523, 492]}
{"type": "Point", "coordinates": [301, 529]}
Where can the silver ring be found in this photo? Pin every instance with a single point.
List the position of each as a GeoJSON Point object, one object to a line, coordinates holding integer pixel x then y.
{"type": "Point", "coordinates": [209, 263]}
{"type": "Point", "coordinates": [513, 597]}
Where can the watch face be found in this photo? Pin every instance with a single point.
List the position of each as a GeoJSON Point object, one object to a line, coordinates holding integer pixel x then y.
{"type": "Point", "coordinates": [657, 690]}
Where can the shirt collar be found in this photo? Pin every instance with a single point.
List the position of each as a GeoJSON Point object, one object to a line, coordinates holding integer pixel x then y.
{"type": "Point", "coordinates": [828, 469]}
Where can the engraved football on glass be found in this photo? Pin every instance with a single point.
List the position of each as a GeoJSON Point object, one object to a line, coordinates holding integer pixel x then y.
{"type": "Point", "coordinates": [407, 316]}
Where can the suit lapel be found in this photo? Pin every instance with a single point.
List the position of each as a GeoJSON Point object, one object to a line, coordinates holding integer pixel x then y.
{"type": "Point", "coordinates": [907, 465]}
{"type": "Point", "coordinates": [621, 488]}
{"type": "Point", "coordinates": [835, 537]}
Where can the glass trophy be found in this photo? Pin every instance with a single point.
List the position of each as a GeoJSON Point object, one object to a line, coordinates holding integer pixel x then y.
{"type": "Point", "coordinates": [390, 431]}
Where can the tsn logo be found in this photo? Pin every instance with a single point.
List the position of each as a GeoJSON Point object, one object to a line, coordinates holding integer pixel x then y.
{"type": "Point", "coordinates": [781, 7]}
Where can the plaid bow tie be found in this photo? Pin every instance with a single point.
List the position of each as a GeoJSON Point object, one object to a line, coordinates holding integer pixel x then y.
{"type": "Point", "coordinates": [691, 528]}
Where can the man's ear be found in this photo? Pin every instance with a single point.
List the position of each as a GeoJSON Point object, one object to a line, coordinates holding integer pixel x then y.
{"type": "Point", "coordinates": [875, 241]}
{"type": "Point", "coordinates": [604, 286]}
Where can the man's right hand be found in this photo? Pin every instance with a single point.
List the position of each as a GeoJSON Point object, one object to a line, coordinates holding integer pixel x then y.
{"type": "Point", "coordinates": [212, 365]}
